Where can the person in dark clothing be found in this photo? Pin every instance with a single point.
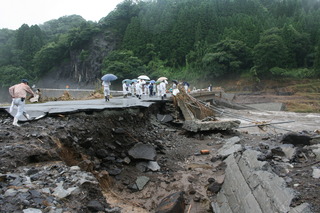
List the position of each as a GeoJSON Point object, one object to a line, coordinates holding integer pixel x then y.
{"type": "Point", "coordinates": [151, 89]}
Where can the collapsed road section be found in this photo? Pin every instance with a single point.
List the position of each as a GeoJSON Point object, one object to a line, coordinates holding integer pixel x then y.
{"type": "Point", "coordinates": [134, 159]}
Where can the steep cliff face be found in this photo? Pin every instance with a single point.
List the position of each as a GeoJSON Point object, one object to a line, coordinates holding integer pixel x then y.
{"type": "Point", "coordinates": [83, 69]}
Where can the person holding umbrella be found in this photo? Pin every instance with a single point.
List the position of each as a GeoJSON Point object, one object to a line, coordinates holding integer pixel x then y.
{"type": "Point", "coordinates": [106, 89]}
{"type": "Point", "coordinates": [18, 93]}
{"type": "Point", "coordinates": [107, 78]}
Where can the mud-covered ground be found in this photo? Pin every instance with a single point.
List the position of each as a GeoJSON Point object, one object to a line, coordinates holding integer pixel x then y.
{"type": "Point", "coordinates": [39, 155]}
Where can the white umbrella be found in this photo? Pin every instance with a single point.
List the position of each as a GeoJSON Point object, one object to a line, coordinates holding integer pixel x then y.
{"type": "Point", "coordinates": [144, 77]}
{"type": "Point", "coordinates": [162, 79]}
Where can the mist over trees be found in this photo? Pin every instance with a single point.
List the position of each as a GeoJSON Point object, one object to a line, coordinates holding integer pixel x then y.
{"type": "Point", "coordinates": [181, 39]}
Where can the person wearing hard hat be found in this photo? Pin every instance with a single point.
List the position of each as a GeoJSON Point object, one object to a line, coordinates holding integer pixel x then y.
{"type": "Point", "coordinates": [18, 93]}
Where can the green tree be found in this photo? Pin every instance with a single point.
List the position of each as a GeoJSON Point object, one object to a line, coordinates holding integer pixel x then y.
{"type": "Point", "coordinates": [80, 36]}
{"type": "Point", "coordinates": [123, 64]}
{"type": "Point", "coordinates": [298, 46]}
{"type": "Point", "coordinates": [228, 57]}
{"type": "Point", "coordinates": [7, 46]}
{"type": "Point", "coordinates": [61, 25]}
{"type": "Point", "coordinates": [118, 20]}
{"type": "Point", "coordinates": [11, 75]}
{"type": "Point", "coordinates": [28, 41]}
{"type": "Point", "coordinates": [46, 58]}
{"type": "Point", "coordinates": [270, 52]}
{"type": "Point", "coordinates": [134, 37]}
{"type": "Point", "coordinates": [316, 65]}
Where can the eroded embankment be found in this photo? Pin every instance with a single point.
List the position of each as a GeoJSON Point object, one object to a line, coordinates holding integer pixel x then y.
{"type": "Point", "coordinates": [96, 142]}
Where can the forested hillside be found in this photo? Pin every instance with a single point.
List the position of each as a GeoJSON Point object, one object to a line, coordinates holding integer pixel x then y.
{"type": "Point", "coordinates": [180, 39]}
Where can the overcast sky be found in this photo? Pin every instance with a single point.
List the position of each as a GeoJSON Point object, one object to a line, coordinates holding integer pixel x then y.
{"type": "Point", "coordinates": [14, 13]}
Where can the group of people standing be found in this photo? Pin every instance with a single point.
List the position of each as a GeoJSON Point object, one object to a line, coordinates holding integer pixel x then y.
{"type": "Point", "coordinates": [142, 87]}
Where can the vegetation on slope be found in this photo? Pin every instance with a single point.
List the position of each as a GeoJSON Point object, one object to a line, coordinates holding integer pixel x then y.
{"type": "Point", "coordinates": [185, 40]}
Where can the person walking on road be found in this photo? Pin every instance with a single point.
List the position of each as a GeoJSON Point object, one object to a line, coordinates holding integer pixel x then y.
{"type": "Point", "coordinates": [124, 89]}
{"type": "Point", "coordinates": [133, 89]}
{"type": "Point", "coordinates": [106, 89]}
{"type": "Point", "coordinates": [163, 90]}
{"type": "Point", "coordinates": [139, 86]}
{"type": "Point", "coordinates": [18, 93]}
{"type": "Point", "coordinates": [151, 89]}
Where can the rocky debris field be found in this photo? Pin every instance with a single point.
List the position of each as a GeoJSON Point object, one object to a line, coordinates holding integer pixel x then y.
{"type": "Point", "coordinates": [128, 161]}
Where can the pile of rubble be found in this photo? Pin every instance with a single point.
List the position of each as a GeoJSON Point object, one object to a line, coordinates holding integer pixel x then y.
{"type": "Point", "coordinates": [51, 188]}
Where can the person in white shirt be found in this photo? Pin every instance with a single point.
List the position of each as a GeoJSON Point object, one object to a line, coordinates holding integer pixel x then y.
{"type": "Point", "coordinates": [129, 89]}
{"type": "Point", "coordinates": [124, 89]}
{"type": "Point", "coordinates": [106, 89]}
{"type": "Point", "coordinates": [186, 87]}
{"type": "Point", "coordinates": [163, 89]}
{"type": "Point", "coordinates": [139, 89]}
{"type": "Point", "coordinates": [158, 89]}
{"type": "Point", "coordinates": [133, 89]}
{"type": "Point", "coordinates": [18, 94]}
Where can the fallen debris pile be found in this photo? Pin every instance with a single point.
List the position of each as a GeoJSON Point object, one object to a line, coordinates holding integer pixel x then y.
{"type": "Point", "coordinates": [54, 187]}
{"type": "Point", "coordinates": [198, 116]}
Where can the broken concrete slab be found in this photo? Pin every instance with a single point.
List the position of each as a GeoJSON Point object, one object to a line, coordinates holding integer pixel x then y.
{"type": "Point", "coordinates": [198, 126]}
{"type": "Point", "coordinates": [285, 150]}
{"type": "Point", "coordinates": [32, 210]}
{"type": "Point", "coordinates": [316, 150]}
{"type": "Point", "coordinates": [40, 110]}
{"type": "Point", "coordinates": [250, 186]}
{"type": "Point", "coordinates": [148, 166]}
{"type": "Point", "coordinates": [302, 208]}
{"type": "Point", "coordinates": [153, 166]}
{"type": "Point", "coordinates": [61, 193]}
{"type": "Point", "coordinates": [315, 172]}
{"type": "Point", "coordinates": [141, 181]}
{"type": "Point", "coordinates": [289, 150]}
{"type": "Point", "coordinates": [230, 146]}
{"type": "Point", "coordinates": [164, 118]}
{"type": "Point", "coordinates": [143, 151]}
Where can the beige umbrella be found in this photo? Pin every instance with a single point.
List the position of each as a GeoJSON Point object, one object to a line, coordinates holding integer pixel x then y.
{"type": "Point", "coordinates": [162, 79]}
